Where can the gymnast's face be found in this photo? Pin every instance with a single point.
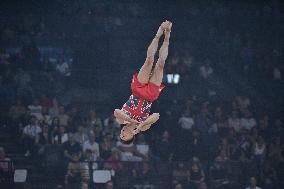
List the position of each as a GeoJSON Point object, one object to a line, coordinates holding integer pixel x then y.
{"type": "Point", "coordinates": [126, 133]}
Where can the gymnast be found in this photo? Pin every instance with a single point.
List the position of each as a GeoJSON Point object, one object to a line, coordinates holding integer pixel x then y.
{"type": "Point", "coordinates": [146, 87]}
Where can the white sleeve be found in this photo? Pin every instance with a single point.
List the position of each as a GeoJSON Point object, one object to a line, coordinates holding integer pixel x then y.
{"type": "Point", "coordinates": [65, 138]}
{"type": "Point", "coordinates": [84, 146]}
{"type": "Point", "coordinates": [97, 150]}
{"type": "Point", "coordinates": [106, 122]}
{"type": "Point", "coordinates": [66, 66]}
{"type": "Point", "coordinates": [38, 130]}
{"type": "Point", "coordinates": [25, 130]}
{"type": "Point", "coordinates": [192, 121]}
{"type": "Point", "coordinates": [179, 121]}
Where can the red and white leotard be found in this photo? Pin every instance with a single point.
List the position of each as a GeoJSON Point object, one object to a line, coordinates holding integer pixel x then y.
{"type": "Point", "coordinates": [139, 103]}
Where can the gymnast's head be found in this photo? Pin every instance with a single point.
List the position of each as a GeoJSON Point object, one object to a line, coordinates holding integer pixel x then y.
{"type": "Point", "coordinates": [126, 135]}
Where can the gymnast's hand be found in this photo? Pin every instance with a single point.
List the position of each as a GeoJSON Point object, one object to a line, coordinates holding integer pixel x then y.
{"type": "Point", "coordinates": [143, 126]}
{"type": "Point", "coordinates": [133, 121]}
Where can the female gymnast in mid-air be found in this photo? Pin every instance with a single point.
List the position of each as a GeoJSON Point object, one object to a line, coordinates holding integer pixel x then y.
{"type": "Point", "coordinates": [146, 87]}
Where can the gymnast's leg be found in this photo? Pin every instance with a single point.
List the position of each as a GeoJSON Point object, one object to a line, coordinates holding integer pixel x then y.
{"type": "Point", "coordinates": [158, 72]}
{"type": "Point", "coordinates": [144, 73]}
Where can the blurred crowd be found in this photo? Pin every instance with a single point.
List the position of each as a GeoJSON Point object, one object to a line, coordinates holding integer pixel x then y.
{"type": "Point", "coordinates": [225, 130]}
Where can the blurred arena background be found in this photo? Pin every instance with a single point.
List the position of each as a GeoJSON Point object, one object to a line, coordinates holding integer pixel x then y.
{"type": "Point", "coordinates": [65, 65]}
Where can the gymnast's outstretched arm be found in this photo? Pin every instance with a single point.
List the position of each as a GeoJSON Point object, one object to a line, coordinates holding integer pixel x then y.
{"type": "Point", "coordinates": [145, 125]}
{"type": "Point", "coordinates": [121, 117]}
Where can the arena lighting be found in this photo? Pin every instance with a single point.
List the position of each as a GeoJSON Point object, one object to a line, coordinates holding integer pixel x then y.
{"type": "Point", "coordinates": [173, 78]}
{"type": "Point", "coordinates": [101, 176]}
{"type": "Point", "coordinates": [20, 175]}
